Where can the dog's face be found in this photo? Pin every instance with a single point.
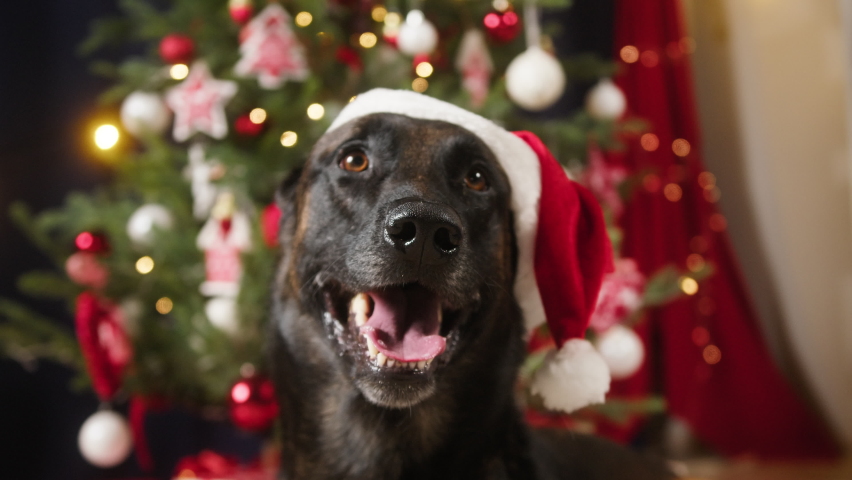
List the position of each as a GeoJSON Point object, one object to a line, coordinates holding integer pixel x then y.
{"type": "Point", "coordinates": [400, 249]}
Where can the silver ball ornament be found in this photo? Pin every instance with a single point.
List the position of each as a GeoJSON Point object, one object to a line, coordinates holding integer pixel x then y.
{"type": "Point", "coordinates": [606, 101]}
{"type": "Point", "coordinates": [105, 439]}
{"type": "Point", "coordinates": [535, 80]}
{"type": "Point", "coordinates": [140, 225]}
{"type": "Point", "coordinates": [622, 350]}
{"type": "Point", "coordinates": [417, 35]}
{"type": "Point", "coordinates": [145, 113]}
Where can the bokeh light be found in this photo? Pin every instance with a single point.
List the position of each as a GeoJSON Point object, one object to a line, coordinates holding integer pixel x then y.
{"type": "Point", "coordinates": [673, 192]}
{"type": "Point", "coordinates": [179, 71]}
{"type": "Point", "coordinates": [712, 355]}
{"type": "Point", "coordinates": [106, 136]}
{"type": "Point", "coordinates": [257, 116]}
{"type": "Point", "coordinates": [368, 40]}
{"type": "Point", "coordinates": [164, 305]}
{"type": "Point", "coordinates": [303, 19]}
{"type": "Point", "coordinates": [288, 138]}
{"type": "Point", "coordinates": [145, 265]}
{"type": "Point", "coordinates": [315, 111]}
{"type": "Point", "coordinates": [629, 54]}
{"type": "Point", "coordinates": [419, 85]}
{"type": "Point", "coordinates": [681, 147]}
{"type": "Point", "coordinates": [379, 13]}
{"type": "Point", "coordinates": [688, 285]}
{"type": "Point", "coordinates": [424, 69]}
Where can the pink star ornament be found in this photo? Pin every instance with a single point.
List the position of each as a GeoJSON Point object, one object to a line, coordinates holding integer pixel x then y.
{"type": "Point", "coordinates": [199, 104]}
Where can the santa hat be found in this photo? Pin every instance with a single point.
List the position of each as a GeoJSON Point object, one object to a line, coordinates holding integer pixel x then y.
{"type": "Point", "coordinates": [563, 247]}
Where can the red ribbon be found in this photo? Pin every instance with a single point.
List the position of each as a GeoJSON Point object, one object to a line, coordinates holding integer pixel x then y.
{"type": "Point", "coordinates": [103, 342]}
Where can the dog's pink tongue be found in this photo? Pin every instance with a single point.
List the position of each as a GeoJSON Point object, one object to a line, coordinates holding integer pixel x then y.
{"type": "Point", "coordinates": [404, 324]}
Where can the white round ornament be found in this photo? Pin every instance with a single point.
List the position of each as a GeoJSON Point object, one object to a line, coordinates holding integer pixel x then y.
{"type": "Point", "coordinates": [140, 225]}
{"type": "Point", "coordinates": [145, 112]}
{"type": "Point", "coordinates": [417, 35]}
{"type": "Point", "coordinates": [534, 79]}
{"type": "Point", "coordinates": [222, 313]}
{"type": "Point", "coordinates": [104, 439]}
{"type": "Point", "coordinates": [622, 350]}
{"type": "Point", "coordinates": [606, 101]}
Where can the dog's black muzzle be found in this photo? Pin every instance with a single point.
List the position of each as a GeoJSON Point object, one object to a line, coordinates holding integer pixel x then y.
{"type": "Point", "coordinates": [422, 233]}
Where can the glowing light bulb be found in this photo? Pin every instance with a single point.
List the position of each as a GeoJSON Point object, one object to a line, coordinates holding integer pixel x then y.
{"type": "Point", "coordinates": [179, 71]}
{"type": "Point", "coordinates": [688, 285]}
{"type": "Point", "coordinates": [629, 54]}
{"type": "Point", "coordinates": [393, 19]}
{"type": "Point", "coordinates": [106, 136]}
{"type": "Point", "coordinates": [419, 85]}
{"type": "Point", "coordinates": [424, 69]}
{"type": "Point", "coordinates": [144, 265]}
{"type": "Point", "coordinates": [257, 116]}
{"type": "Point", "coordinates": [303, 19]}
{"type": "Point", "coordinates": [288, 139]}
{"type": "Point", "coordinates": [368, 40]}
{"type": "Point", "coordinates": [379, 13]}
{"type": "Point", "coordinates": [165, 305]}
{"type": "Point", "coordinates": [315, 111]}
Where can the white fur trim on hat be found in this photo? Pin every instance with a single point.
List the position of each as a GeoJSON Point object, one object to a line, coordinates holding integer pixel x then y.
{"type": "Point", "coordinates": [516, 157]}
{"type": "Point", "coordinates": [573, 377]}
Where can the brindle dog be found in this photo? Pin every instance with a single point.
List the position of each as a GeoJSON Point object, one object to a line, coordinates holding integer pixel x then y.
{"type": "Point", "coordinates": [409, 216]}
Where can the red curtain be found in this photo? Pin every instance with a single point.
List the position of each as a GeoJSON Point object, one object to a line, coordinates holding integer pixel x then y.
{"type": "Point", "coordinates": [706, 353]}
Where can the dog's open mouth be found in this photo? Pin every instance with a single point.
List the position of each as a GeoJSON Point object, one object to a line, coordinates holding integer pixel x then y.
{"type": "Point", "coordinates": [397, 327]}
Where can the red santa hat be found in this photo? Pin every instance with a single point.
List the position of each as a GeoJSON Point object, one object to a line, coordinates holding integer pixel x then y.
{"type": "Point", "coordinates": [563, 247]}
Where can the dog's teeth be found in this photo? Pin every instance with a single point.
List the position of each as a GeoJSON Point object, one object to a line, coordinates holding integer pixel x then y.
{"type": "Point", "coordinates": [391, 362]}
{"type": "Point", "coordinates": [429, 362]}
{"type": "Point", "coordinates": [371, 347]}
{"type": "Point", "coordinates": [421, 364]}
{"type": "Point", "coordinates": [360, 319]}
{"type": "Point", "coordinates": [412, 365]}
{"type": "Point", "coordinates": [360, 305]}
{"type": "Point", "coordinates": [381, 359]}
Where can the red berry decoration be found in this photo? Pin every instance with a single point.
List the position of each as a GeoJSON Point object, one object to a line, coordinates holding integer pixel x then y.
{"type": "Point", "coordinates": [502, 27]}
{"type": "Point", "coordinates": [92, 242]}
{"type": "Point", "coordinates": [245, 127]}
{"type": "Point", "coordinates": [177, 48]}
{"type": "Point", "coordinates": [252, 404]}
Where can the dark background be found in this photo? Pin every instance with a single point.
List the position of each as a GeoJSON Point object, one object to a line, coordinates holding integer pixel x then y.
{"type": "Point", "coordinates": [47, 99]}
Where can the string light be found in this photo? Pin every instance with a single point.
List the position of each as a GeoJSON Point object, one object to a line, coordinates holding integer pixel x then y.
{"type": "Point", "coordinates": [706, 180]}
{"type": "Point", "coordinates": [368, 39]}
{"type": "Point", "coordinates": [144, 265]}
{"type": "Point", "coordinates": [500, 5]}
{"type": "Point", "coordinates": [379, 13]}
{"type": "Point", "coordinates": [688, 285]}
{"type": "Point", "coordinates": [106, 136]}
{"type": "Point", "coordinates": [712, 355]}
{"type": "Point", "coordinates": [695, 262]}
{"type": "Point", "coordinates": [650, 58]}
{"type": "Point", "coordinates": [164, 305]}
{"type": "Point", "coordinates": [424, 69]}
{"type": "Point", "coordinates": [649, 142]}
{"type": "Point", "coordinates": [257, 116]}
{"type": "Point", "coordinates": [303, 19]}
{"type": "Point", "coordinates": [681, 147]}
{"type": "Point", "coordinates": [629, 54]}
{"type": "Point", "coordinates": [288, 139]}
{"type": "Point", "coordinates": [315, 111]}
{"type": "Point", "coordinates": [419, 85]}
{"type": "Point", "coordinates": [393, 19]}
{"type": "Point", "coordinates": [179, 71]}
{"type": "Point", "coordinates": [673, 192]}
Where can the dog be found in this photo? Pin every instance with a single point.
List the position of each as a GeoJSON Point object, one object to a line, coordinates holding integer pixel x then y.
{"type": "Point", "coordinates": [398, 231]}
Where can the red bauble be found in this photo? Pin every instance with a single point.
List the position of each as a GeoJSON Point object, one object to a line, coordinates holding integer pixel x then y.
{"type": "Point", "coordinates": [252, 404]}
{"type": "Point", "coordinates": [177, 48]}
{"type": "Point", "coordinates": [105, 346]}
{"type": "Point", "coordinates": [241, 14]}
{"type": "Point", "coordinates": [349, 56]}
{"type": "Point", "coordinates": [502, 27]}
{"type": "Point", "coordinates": [83, 268]}
{"type": "Point", "coordinates": [245, 127]}
{"type": "Point", "coordinates": [92, 242]}
{"type": "Point", "coordinates": [271, 221]}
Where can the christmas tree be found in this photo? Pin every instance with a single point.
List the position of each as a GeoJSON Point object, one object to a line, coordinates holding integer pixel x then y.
{"type": "Point", "coordinates": [167, 268]}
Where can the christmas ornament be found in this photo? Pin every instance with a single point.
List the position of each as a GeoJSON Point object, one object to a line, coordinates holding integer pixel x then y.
{"type": "Point", "coordinates": [240, 10]}
{"type": "Point", "coordinates": [271, 221]}
{"type": "Point", "coordinates": [502, 27]}
{"type": "Point", "coordinates": [92, 242]}
{"type": "Point", "coordinates": [349, 56]}
{"type": "Point", "coordinates": [208, 465]}
{"type": "Point", "coordinates": [417, 34]}
{"type": "Point", "coordinates": [147, 218]}
{"type": "Point", "coordinates": [252, 404]}
{"type": "Point", "coordinates": [534, 79]}
{"type": "Point", "coordinates": [145, 113]}
{"type": "Point", "coordinates": [83, 268]}
{"type": "Point", "coordinates": [199, 104]}
{"type": "Point", "coordinates": [105, 346]}
{"type": "Point", "coordinates": [474, 63]}
{"type": "Point", "coordinates": [603, 180]}
{"type": "Point", "coordinates": [104, 439]}
{"type": "Point", "coordinates": [222, 238]}
{"type": "Point", "coordinates": [222, 313]}
{"type": "Point", "coordinates": [245, 127]}
{"type": "Point", "coordinates": [622, 350]}
{"type": "Point", "coordinates": [177, 48]}
{"type": "Point", "coordinates": [270, 51]}
{"type": "Point", "coordinates": [563, 247]}
{"type": "Point", "coordinates": [202, 173]}
{"type": "Point", "coordinates": [606, 101]}
{"type": "Point", "coordinates": [620, 295]}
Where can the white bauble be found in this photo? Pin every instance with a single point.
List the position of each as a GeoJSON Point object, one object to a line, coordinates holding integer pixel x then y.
{"type": "Point", "coordinates": [222, 313]}
{"type": "Point", "coordinates": [417, 35]}
{"type": "Point", "coordinates": [606, 101]}
{"type": "Point", "coordinates": [534, 79]}
{"type": "Point", "coordinates": [104, 439]}
{"type": "Point", "coordinates": [140, 225]}
{"type": "Point", "coordinates": [145, 112]}
{"type": "Point", "coordinates": [622, 350]}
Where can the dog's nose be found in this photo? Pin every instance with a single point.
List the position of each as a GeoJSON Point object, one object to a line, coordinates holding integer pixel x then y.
{"type": "Point", "coordinates": [423, 232]}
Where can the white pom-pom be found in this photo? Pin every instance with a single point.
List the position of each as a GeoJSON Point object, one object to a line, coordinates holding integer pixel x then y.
{"type": "Point", "coordinates": [417, 35]}
{"type": "Point", "coordinates": [606, 101]}
{"type": "Point", "coordinates": [145, 112]}
{"type": "Point", "coordinates": [105, 440]}
{"type": "Point", "coordinates": [140, 225]}
{"type": "Point", "coordinates": [534, 79]}
{"type": "Point", "coordinates": [622, 350]}
{"type": "Point", "coordinates": [573, 377]}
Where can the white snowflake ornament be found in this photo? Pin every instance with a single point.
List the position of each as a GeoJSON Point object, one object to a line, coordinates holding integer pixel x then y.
{"type": "Point", "coordinates": [199, 104]}
{"type": "Point", "coordinates": [270, 50]}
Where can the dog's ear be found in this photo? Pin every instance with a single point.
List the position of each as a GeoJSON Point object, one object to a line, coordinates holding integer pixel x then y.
{"type": "Point", "coordinates": [285, 198]}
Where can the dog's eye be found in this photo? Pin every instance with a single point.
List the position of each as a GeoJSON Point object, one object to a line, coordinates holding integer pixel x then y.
{"type": "Point", "coordinates": [476, 180]}
{"type": "Point", "coordinates": [355, 162]}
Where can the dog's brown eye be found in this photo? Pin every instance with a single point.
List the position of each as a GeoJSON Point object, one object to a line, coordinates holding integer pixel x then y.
{"type": "Point", "coordinates": [476, 180]}
{"type": "Point", "coordinates": [355, 162]}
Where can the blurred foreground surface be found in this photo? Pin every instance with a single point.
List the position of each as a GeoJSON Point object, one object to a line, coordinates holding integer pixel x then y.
{"type": "Point", "coordinates": [715, 469]}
